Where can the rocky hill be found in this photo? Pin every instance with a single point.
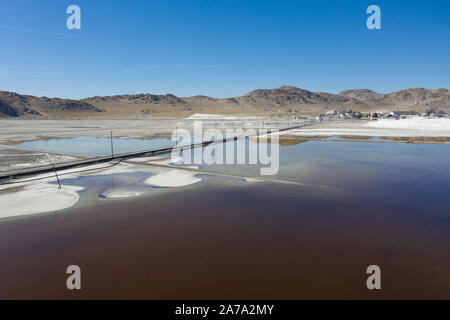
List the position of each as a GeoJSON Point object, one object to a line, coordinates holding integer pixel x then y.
{"type": "Point", "coordinates": [415, 99]}
{"type": "Point", "coordinates": [16, 105]}
{"type": "Point", "coordinates": [140, 104]}
{"type": "Point", "coordinates": [294, 100]}
{"type": "Point", "coordinates": [362, 94]}
{"type": "Point", "coordinates": [283, 100]}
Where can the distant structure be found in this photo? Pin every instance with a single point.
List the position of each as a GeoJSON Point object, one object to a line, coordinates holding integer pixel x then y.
{"type": "Point", "coordinates": [349, 114]}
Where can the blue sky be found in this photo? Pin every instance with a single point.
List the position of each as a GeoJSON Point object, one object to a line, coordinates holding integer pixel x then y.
{"type": "Point", "coordinates": [221, 48]}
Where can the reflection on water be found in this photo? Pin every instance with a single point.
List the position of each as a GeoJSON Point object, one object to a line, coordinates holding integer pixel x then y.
{"type": "Point", "coordinates": [102, 146]}
{"type": "Point", "coordinates": [96, 146]}
{"type": "Point", "coordinates": [111, 186]}
{"type": "Point", "coordinates": [387, 205]}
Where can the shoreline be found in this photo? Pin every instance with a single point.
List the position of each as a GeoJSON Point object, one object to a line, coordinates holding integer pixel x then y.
{"type": "Point", "coordinates": [164, 175]}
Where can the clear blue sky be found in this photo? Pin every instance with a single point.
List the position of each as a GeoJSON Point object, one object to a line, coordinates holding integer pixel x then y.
{"type": "Point", "coordinates": [221, 47]}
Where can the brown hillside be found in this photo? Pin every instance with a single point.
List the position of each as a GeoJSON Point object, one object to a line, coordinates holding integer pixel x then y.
{"type": "Point", "coordinates": [283, 100]}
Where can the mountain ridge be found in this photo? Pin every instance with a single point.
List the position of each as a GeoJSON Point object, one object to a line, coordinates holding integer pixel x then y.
{"type": "Point", "coordinates": [283, 100]}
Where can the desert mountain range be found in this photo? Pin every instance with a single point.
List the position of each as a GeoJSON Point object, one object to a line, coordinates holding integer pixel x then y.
{"type": "Point", "coordinates": [284, 100]}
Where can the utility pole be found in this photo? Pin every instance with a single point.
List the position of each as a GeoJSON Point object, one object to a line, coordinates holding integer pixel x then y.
{"type": "Point", "coordinates": [112, 148]}
{"type": "Point", "coordinates": [57, 178]}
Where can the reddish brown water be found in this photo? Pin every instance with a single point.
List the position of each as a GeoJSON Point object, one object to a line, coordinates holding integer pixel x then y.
{"type": "Point", "coordinates": [223, 239]}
